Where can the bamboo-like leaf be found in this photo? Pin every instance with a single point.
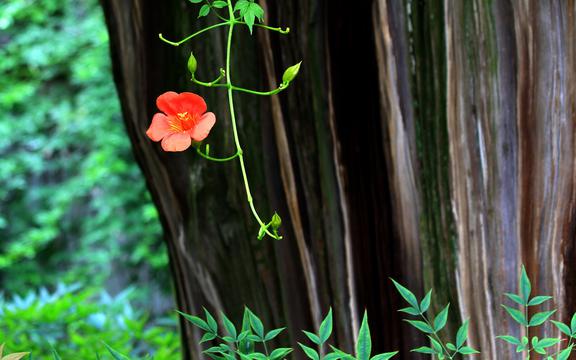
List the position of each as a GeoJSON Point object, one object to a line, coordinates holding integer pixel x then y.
{"type": "Point", "coordinates": [525, 286]}
{"type": "Point", "coordinates": [562, 327]}
{"type": "Point", "coordinates": [384, 356]}
{"type": "Point", "coordinates": [229, 326]}
{"type": "Point", "coordinates": [538, 300]}
{"type": "Point", "coordinates": [425, 303]}
{"type": "Point", "coordinates": [326, 328]}
{"type": "Point", "coordinates": [311, 353]}
{"type": "Point", "coordinates": [280, 353]}
{"type": "Point", "coordinates": [364, 344]}
{"type": "Point", "coordinates": [565, 354]}
{"type": "Point", "coordinates": [195, 320]}
{"type": "Point", "coordinates": [421, 325]}
{"type": "Point", "coordinates": [516, 314]}
{"type": "Point", "coordinates": [313, 337]}
{"type": "Point", "coordinates": [406, 294]}
{"type": "Point", "coordinates": [462, 334]}
{"type": "Point", "coordinates": [540, 318]}
{"type": "Point", "coordinates": [441, 319]}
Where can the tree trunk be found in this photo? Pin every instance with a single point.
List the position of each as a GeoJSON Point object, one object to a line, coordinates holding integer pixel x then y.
{"type": "Point", "coordinates": [429, 141]}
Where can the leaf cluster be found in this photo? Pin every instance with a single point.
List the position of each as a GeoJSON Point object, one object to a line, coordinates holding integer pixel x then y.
{"type": "Point", "coordinates": [519, 313]}
{"type": "Point", "coordinates": [431, 328]}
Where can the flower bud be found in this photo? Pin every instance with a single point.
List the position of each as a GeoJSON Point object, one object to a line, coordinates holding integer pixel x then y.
{"type": "Point", "coordinates": [276, 222]}
{"type": "Point", "coordinates": [290, 73]}
{"type": "Point", "coordinates": [192, 64]}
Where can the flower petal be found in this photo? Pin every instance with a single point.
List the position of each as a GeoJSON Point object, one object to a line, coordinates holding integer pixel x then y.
{"type": "Point", "coordinates": [176, 142]}
{"type": "Point", "coordinates": [173, 103]}
{"type": "Point", "coordinates": [166, 103]}
{"type": "Point", "coordinates": [191, 103]}
{"type": "Point", "coordinates": [202, 129]}
{"type": "Point", "coordinates": [159, 128]}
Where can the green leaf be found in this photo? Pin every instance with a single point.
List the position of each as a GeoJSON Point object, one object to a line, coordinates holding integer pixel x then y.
{"type": "Point", "coordinates": [562, 327]}
{"type": "Point", "coordinates": [204, 10]}
{"type": "Point", "coordinates": [250, 11]}
{"type": "Point", "coordinates": [462, 334]}
{"type": "Point", "coordinates": [573, 324]}
{"type": "Point", "coordinates": [466, 350]}
{"type": "Point", "coordinates": [510, 339]}
{"type": "Point", "coordinates": [219, 4]}
{"type": "Point", "coordinates": [313, 337]}
{"type": "Point", "coordinates": [280, 353]}
{"type": "Point", "coordinates": [540, 318]}
{"type": "Point", "coordinates": [565, 354]}
{"type": "Point", "coordinates": [326, 328]}
{"type": "Point", "coordinates": [411, 311]}
{"type": "Point", "coordinates": [406, 294]}
{"type": "Point", "coordinates": [451, 346]}
{"type": "Point", "coordinates": [424, 350]}
{"type": "Point", "coordinates": [115, 354]}
{"type": "Point", "coordinates": [436, 345]}
{"type": "Point", "coordinates": [440, 320]}
{"type": "Point", "coordinates": [195, 320]}
{"type": "Point", "coordinates": [196, 1]}
{"type": "Point", "coordinates": [311, 353]}
{"type": "Point", "coordinates": [364, 344]}
{"type": "Point", "coordinates": [207, 337]}
{"type": "Point", "coordinates": [273, 333]}
{"type": "Point", "coordinates": [537, 300]}
{"type": "Point", "coordinates": [384, 356]}
{"type": "Point", "coordinates": [547, 342]}
{"type": "Point", "coordinates": [212, 324]}
{"type": "Point", "coordinates": [517, 315]}
{"type": "Point", "coordinates": [229, 326]}
{"type": "Point", "coordinates": [516, 298]}
{"type": "Point", "coordinates": [525, 286]}
{"type": "Point", "coordinates": [421, 325]}
{"type": "Point", "coordinates": [425, 304]}
{"type": "Point", "coordinates": [257, 325]}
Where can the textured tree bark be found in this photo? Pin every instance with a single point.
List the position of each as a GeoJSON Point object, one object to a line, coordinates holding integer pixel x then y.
{"type": "Point", "coordinates": [429, 141]}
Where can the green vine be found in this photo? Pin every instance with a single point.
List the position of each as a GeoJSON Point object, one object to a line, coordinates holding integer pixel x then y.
{"type": "Point", "coordinates": [249, 12]}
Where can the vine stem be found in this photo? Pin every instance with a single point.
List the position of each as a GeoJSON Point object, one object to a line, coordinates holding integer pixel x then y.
{"type": "Point", "coordinates": [230, 89]}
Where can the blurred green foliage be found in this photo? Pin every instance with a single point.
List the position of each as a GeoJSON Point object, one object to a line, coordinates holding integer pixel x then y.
{"type": "Point", "coordinates": [77, 323]}
{"type": "Point", "coordinates": [73, 203]}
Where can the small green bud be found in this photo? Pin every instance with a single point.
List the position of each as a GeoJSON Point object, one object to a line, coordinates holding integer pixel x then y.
{"type": "Point", "coordinates": [276, 222]}
{"type": "Point", "coordinates": [192, 64]}
{"type": "Point", "coordinates": [262, 232]}
{"type": "Point", "coordinates": [291, 73]}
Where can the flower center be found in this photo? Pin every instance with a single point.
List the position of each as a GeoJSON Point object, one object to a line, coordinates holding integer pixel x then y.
{"type": "Point", "coordinates": [183, 121]}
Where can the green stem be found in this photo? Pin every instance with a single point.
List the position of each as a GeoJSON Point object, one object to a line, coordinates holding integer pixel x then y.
{"type": "Point", "coordinates": [436, 336]}
{"type": "Point", "coordinates": [178, 43]}
{"type": "Point", "coordinates": [282, 87]}
{"type": "Point", "coordinates": [234, 126]}
{"type": "Point", "coordinates": [208, 157]}
{"type": "Point", "coordinates": [277, 29]}
{"type": "Point", "coordinates": [215, 11]}
{"type": "Point", "coordinates": [212, 83]}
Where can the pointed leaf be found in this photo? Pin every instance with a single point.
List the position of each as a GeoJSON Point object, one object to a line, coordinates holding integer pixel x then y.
{"type": "Point", "coordinates": [516, 298]}
{"type": "Point", "coordinates": [311, 353]}
{"type": "Point", "coordinates": [466, 350]}
{"type": "Point", "coordinates": [510, 339]}
{"type": "Point", "coordinates": [364, 344]}
{"type": "Point", "coordinates": [525, 286]}
{"type": "Point", "coordinates": [421, 325]}
{"type": "Point", "coordinates": [406, 294]}
{"type": "Point", "coordinates": [326, 328]}
{"type": "Point", "coordinates": [212, 324]}
{"type": "Point", "coordinates": [229, 326]}
{"type": "Point", "coordinates": [540, 318]}
{"type": "Point", "coordinates": [257, 325]}
{"type": "Point", "coordinates": [273, 333]}
{"type": "Point", "coordinates": [195, 320]}
{"type": "Point", "coordinates": [462, 334]}
{"type": "Point", "coordinates": [440, 320]}
{"type": "Point", "coordinates": [565, 354]}
{"type": "Point", "coordinates": [280, 353]}
{"type": "Point", "coordinates": [562, 327]}
{"type": "Point", "coordinates": [425, 304]}
{"type": "Point", "coordinates": [424, 350]}
{"type": "Point", "coordinates": [313, 337]}
{"type": "Point", "coordinates": [537, 300]}
{"type": "Point", "coordinates": [411, 311]}
{"type": "Point", "coordinates": [516, 314]}
{"type": "Point", "coordinates": [115, 354]}
{"type": "Point", "coordinates": [385, 356]}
